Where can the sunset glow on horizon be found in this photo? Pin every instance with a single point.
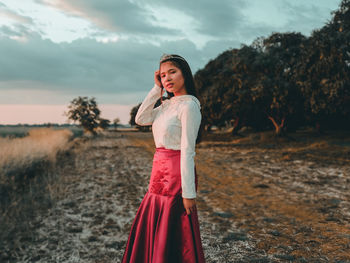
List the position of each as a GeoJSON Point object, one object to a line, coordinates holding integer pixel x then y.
{"type": "Point", "coordinates": [12, 114]}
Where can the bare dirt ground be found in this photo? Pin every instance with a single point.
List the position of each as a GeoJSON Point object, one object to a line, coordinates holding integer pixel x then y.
{"type": "Point", "coordinates": [258, 201]}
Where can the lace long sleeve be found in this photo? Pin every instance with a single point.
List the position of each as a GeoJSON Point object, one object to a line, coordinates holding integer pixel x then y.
{"type": "Point", "coordinates": [146, 112]}
{"type": "Point", "coordinates": [190, 122]}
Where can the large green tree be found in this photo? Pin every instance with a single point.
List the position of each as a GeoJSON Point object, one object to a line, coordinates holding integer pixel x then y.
{"type": "Point", "coordinates": [283, 81]}
{"type": "Point", "coordinates": [276, 92]}
{"type": "Point", "coordinates": [323, 72]}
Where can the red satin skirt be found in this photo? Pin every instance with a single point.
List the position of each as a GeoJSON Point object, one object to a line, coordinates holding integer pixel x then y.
{"type": "Point", "coordinates": [162, 232]}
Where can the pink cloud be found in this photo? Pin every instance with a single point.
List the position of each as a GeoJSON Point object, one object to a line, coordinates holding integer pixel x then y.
{"type": "Point", "coordinates": [14, 16]}
{"type": "Point", "coordinates": [81, 9]}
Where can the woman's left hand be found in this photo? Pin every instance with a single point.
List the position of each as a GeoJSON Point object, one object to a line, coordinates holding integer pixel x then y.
{"type": "Point", "coordinates": [190, 205]}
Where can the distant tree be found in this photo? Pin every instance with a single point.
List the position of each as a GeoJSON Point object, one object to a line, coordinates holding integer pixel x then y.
{"type": "Point", "coordinates": [85, 111]}
{"type": "Point", "coordinates": [103, 123]}
{"type": "Point", "coordinates": [132, 122]}
{"type": "Point", "coordinates": [116, 121]}
{"type": "Point", "coordinates": [133, 113]}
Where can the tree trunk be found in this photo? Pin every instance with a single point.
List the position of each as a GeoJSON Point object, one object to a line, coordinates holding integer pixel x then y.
{"type": "Point", "coordinates": [235, 126]}
{"type": "Point", "coordinates": [278, 127]}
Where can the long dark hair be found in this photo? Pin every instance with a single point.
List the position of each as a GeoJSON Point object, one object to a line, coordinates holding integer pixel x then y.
{"type": "Point", "coordinates": [190, 87]}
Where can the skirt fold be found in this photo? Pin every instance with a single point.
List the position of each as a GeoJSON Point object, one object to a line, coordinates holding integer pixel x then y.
{"type": "Point", "coordinates": [162, 232]}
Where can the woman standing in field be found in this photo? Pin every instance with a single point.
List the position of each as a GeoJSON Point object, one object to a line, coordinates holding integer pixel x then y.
{"type": "Point", "coordinates": [166, 228]}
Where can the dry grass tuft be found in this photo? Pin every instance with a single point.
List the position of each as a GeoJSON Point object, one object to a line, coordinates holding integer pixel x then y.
{"type": "Point", "coordinates": [42, 143]}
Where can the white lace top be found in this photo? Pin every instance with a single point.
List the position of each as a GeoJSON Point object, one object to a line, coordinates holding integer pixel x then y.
{"type": "Point", "coordinates": [175, 124]}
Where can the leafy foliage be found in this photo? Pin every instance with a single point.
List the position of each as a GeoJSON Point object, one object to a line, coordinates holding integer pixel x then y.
{"type": "Point", "coordinates": [86, 112]}
{"type": "Point", "coordinates": [133, 113]}
{"type": "Point", "coordinates": [116, 122]}
{"type": "Point", "coordinates": [283, 81]}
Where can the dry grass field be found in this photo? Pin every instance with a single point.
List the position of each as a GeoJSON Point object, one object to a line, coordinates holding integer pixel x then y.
{"type": "Point", "coordinates": [260, 199]}
{"type": "Point", "coordinates": [26, 168]}
{"type": "Point", "coordinates": [41, 143]}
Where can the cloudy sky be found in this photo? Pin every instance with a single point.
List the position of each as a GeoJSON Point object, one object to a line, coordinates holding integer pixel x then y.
{"type": "Point", "coordinates": [53, 51]}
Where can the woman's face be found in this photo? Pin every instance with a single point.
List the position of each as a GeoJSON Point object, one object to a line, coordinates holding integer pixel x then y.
{"type": "Point", "coordinates": [172, 78]}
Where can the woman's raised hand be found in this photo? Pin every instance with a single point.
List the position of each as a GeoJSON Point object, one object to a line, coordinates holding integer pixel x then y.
{"type": "Point", "coordinates": [157, 78]}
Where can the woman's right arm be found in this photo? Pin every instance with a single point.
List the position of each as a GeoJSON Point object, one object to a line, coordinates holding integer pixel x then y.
{"type": "Point", "coordinates": [146, 113]}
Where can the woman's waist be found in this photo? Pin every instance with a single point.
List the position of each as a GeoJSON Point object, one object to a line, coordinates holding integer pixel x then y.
{"type": "Point", "coordinates": [167, 151]}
